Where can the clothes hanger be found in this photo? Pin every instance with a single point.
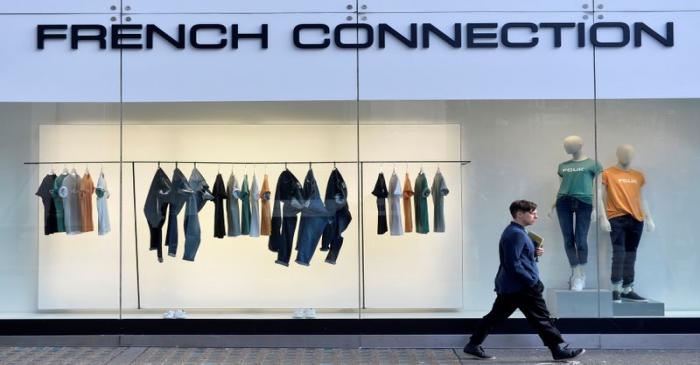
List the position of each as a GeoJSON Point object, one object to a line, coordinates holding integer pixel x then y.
{"type": "Point", "coordinates": [72, 171]}
{"type": "Point", "coordinates": [65, 170]}
{"type": "Point", "coordinates": [51, 171]}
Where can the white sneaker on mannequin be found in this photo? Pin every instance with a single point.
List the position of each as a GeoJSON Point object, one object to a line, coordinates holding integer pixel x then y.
{"type": "Point", "coordinates": [572, 278]}
{"type": "Point", "coordinates": [579, 281]}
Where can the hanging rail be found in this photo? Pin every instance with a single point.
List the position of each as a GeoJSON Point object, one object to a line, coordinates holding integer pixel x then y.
{"type": "Point", "coordinates": [462, 162]}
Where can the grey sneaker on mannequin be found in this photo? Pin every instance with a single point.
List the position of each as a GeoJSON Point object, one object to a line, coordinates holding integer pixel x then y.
{"type": "Point", "coordinates": [616, 296]}
{"type": "Point", "coordinates": [633, 297]}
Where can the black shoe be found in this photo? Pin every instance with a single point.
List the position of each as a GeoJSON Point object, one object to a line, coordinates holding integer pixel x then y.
{"type": "Point", "coordinates": [633, 297]}
{"type": "Point", "coordinates": [563, 352]}
{"type": "Point", "coordinates": [616, 296]}
{"type": "Point", "coordinates": [477, 351]}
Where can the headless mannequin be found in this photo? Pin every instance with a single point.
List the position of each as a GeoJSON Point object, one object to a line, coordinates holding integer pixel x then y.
{"type": "Point", "coordinates": [571, 210]}
{"type": "Point", "coordinates": [625, 232]}
{"type": "Point", "coordinates": [625, 154]}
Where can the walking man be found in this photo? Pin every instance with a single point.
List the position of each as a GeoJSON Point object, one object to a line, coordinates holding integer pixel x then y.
{"type": "Point", "coordinates": [518, 286]}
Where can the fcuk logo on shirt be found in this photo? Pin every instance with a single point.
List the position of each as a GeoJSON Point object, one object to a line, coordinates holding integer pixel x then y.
{"type": "Point", "coordinates": [627, 181]}
{"type": "Point", "coordinates": [573, 169]}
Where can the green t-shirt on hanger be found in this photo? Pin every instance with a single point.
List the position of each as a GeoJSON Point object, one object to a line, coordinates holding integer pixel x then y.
{"type": "Point", "coordinates": [577, 179]}
{"type": "Point", "coordinates": [245, 206]}
{"type": "Point", "coordinates": [420, 199]}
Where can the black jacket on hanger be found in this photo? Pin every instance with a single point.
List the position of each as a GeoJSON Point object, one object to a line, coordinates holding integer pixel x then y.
{"type": "Point", "coordinates": [381, 193]}
{"type": "Point", "coordinates": [219, 193]}
{"type": "Point", "coordinates": [155, 209]}
{"type": "Point", "coordinates": [336, 201]}
{"type": "Point", "coordinates": [288, 203]}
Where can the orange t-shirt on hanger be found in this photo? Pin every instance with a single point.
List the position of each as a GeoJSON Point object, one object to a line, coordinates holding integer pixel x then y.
{"type": "Point", "coordinates": [87, 188]}
{"type": "Point", "coordinates": [407, 209]}
{"type": "Point", "coordinates": [624, 192]}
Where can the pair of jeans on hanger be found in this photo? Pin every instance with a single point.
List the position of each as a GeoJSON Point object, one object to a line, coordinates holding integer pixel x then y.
{"type": "Point", "coordinates": [288, 203]}
{"type": "Point", "coordinates": [574, 220]}
{"type": "Point", "coordinates": [314, 219]}
{"type": "Point", "coordinates": [156, 208]}
{"type": "Point", "coordinates": [336, 201]}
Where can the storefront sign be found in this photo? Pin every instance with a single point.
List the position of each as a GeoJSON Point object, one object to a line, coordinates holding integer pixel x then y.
{"type": "Point", "coordinates": [321, 36]}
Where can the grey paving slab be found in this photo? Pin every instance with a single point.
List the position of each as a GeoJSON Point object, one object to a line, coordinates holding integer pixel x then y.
{"type": "Point", "coordinates": [58, 355]}
{"type": "Point", "coordinates": [323, 356]}
{"type": "Point", "coordinates": [591, 357]}
{"type": "Point", "coordinates": [128, 356]}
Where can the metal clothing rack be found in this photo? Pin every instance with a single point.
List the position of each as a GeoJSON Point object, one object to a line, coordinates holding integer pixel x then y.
{"type": "Point", "coordinates": [285, 163]}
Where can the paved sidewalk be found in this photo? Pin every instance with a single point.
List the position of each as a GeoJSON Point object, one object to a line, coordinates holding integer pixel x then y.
{"type": "Point", "coordinates": [163, 355]}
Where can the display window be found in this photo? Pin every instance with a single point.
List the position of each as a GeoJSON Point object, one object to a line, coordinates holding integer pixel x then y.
{"type": "Point", "coordinates": [345, 164]}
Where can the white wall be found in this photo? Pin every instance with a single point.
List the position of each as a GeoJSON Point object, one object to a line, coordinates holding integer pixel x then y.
{"type": "Point", "coordinates": [22, 220]}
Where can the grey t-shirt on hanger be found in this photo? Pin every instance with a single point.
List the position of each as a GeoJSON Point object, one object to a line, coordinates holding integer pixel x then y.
{"type": "Point", "coordinates": [102, 193]}
{"type": "Point", "coordinates": [69, 192]}
{"type": "Point", "coordinates": [254, 208]}
{"type": "Point", "coordinates": [395, 197]}
{"type": "Point", "coordinates": [232, 212]}
{"type": "Point", "coordinates": [439, 190]}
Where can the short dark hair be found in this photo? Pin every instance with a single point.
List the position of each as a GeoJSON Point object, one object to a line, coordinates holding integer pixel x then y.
{"type": "Point", "coordinates": [521, 206]}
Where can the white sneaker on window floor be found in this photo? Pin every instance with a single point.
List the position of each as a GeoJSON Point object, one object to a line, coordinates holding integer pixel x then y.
{"type": "Point", "coordinates": [169, 315]}
{"type": "Point", "coordinates": [309, 313]}
{"type": "Point", "coordinates": [577, 284]}
{"type": "Point", "coordinates": [299, 313]}
{"type": "Point", "coordinates": [179, 314]}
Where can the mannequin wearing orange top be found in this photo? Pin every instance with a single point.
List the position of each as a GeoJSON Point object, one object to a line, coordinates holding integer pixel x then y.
{"type": "Point", "coordinates": [625, 216]}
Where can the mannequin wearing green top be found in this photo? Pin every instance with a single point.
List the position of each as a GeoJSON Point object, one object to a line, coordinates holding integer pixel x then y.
{"type": "Point", "coordinates": [574, 207]}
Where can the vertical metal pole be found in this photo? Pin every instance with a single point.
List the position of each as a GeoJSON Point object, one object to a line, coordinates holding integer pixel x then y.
{"type": "Point", "coordinates": [362, 234]}
{"type": "Point", "coordinates": [136, 238]}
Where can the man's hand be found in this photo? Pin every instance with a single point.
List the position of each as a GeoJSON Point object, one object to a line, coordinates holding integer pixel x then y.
{"type": "Point", "coordinates": [539, 251]}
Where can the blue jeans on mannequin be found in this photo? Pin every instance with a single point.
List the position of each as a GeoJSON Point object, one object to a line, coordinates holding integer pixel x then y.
{"type": "Point", "coordinates": [574, 220]}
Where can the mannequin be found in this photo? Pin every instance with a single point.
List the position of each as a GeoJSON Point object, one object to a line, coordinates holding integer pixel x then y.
{"type": "Point", "coordinates": [625, 216]}
{"type": "Point", "coordinates": [574, 207]}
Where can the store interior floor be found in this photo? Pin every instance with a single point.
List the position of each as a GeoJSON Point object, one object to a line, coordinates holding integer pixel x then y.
{"type": "Point", "coordinates": [163, 355]}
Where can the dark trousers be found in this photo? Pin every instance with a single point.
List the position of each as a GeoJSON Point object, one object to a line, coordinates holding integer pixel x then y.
{"type": "Point", "coordinates": [574, 221]}
{"type": "Point", "coordinates": [531, 303]}
{"type": "Point", "coordinates": [625, 236]}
